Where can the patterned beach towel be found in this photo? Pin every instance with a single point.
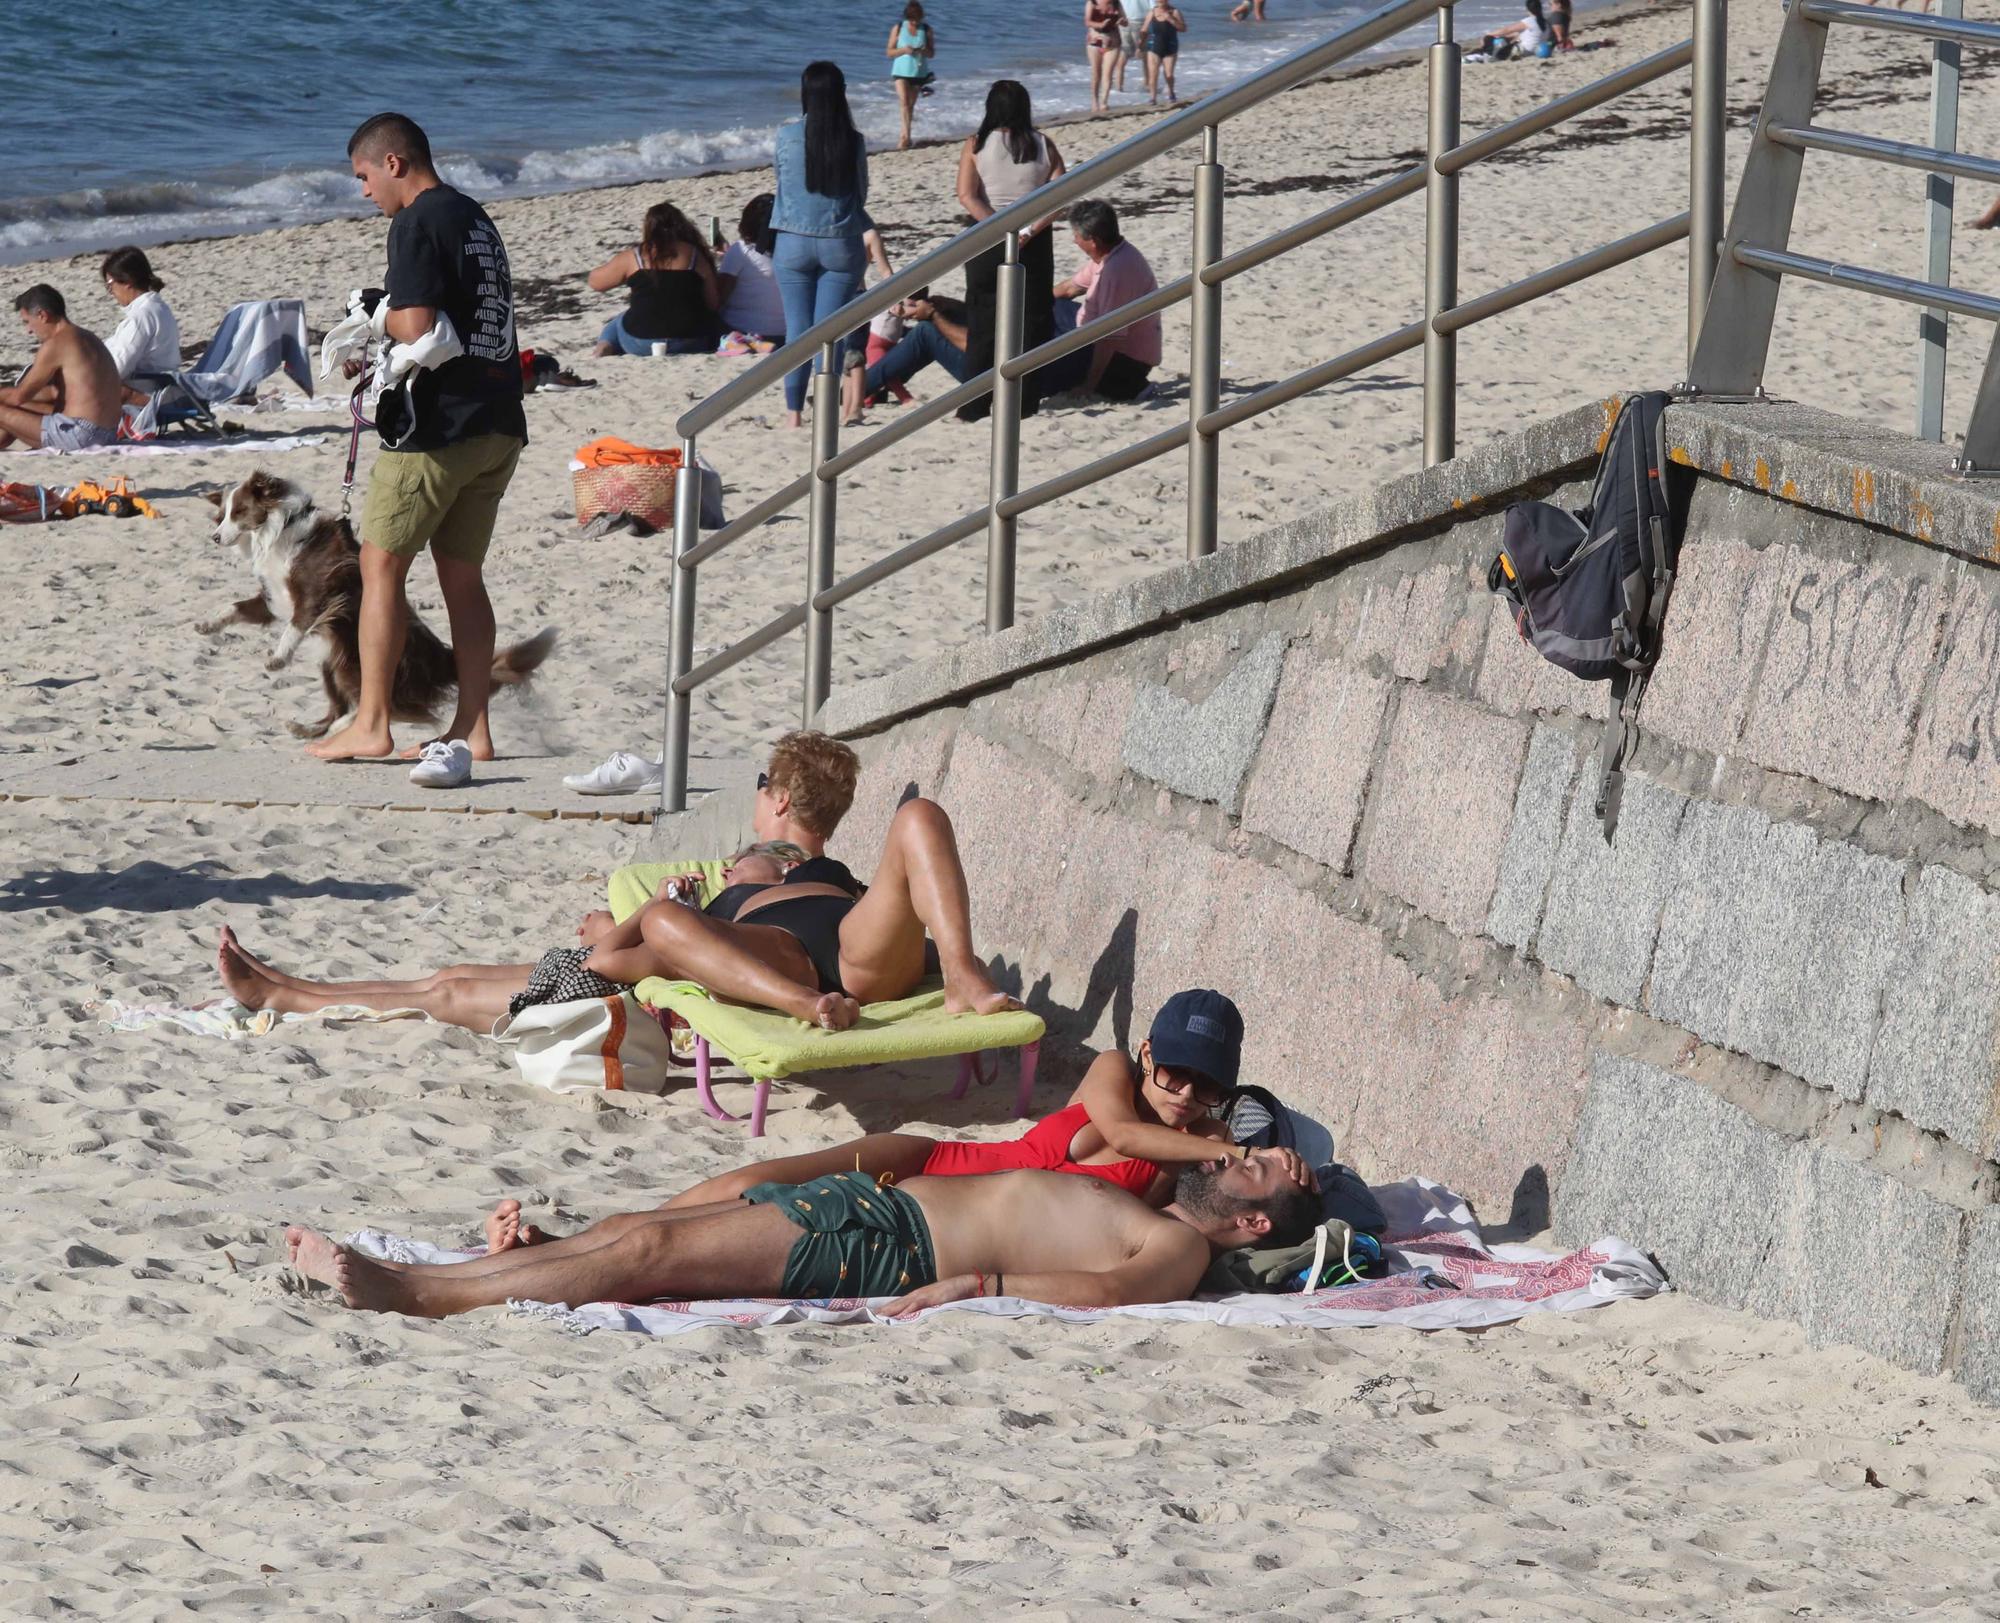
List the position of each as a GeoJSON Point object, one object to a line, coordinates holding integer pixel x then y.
{"type": "Point", "coordinates": [225, 1017]}
{"type": "Point", "coordinates": [1444, 1278]}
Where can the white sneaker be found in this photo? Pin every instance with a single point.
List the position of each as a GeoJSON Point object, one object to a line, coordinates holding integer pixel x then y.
{"type": "Point", "coordinates": [446, 763]}
{"type": "Point", "coordinates": [622, 773]}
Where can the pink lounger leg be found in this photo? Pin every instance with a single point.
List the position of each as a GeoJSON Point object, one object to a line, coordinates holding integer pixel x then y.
{"type": "Point", "coordinates": [758, 1101]}
{"type": "Point", "coordinates": [969, 1071]}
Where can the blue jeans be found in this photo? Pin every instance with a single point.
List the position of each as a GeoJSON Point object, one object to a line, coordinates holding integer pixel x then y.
{"type": "Point", "coordinates": [816, 276]}
{"type": "Point", "coordinates": [615, 333]}
{"type": "Point", "coordinates": [910, 354]}
{"type": "Point", "coordinates": [1070, 371]}
{"type": "Point", "coordinates": [1122, 378]}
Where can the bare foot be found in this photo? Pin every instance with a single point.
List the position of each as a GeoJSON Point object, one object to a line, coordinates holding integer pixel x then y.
{"type": "Point", "coordinates": [835, 1011]}
{"type": "Point", "coordinates": [358, 1281]}
{"type": "Point", "coordinates": [596, 925]}
{"type": "Point", "coordinates": [505, 1230]}
{"type": "Point", "coordinates": [351, 744]}
{"type": "Point", "coordinates": [241, 980]}
{"type": "Point", "coordinates": [256, 965]}
{"type": "Point", "coordinates": [971, 991]}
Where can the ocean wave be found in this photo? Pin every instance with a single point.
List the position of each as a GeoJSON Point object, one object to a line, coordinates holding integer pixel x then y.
{"type": "Point", "coordinates": [92, 218]}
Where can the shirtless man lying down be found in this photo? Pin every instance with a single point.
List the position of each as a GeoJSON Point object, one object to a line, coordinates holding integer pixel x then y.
{"type": "Point", "coordinates": [1036, 1235]}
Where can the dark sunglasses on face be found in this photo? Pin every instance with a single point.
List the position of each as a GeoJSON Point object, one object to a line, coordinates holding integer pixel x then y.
{"type": "Point", "coordinates": [763, 780]}
{"type": "Point", "coordinates": [1206, 1090]}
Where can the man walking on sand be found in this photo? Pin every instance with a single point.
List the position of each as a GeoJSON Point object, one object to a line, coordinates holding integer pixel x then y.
{"type": "Point", "coordinates": [450, 441]}
{"type": "Point", "coordinates": [69, 398]}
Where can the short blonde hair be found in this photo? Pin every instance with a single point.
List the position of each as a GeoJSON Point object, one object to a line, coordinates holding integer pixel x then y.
{"type": "Point", "coordinates": [819, 773]}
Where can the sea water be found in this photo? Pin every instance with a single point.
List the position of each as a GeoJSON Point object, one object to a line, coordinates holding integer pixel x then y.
{"type": "Point", "coordinates": [158, 121]}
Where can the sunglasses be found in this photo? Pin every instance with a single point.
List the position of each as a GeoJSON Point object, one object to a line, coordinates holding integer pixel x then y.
{"type": "Point", "coordinates": [763, 780]}
{"type": "Point", "coordinates": [1207, 1091]}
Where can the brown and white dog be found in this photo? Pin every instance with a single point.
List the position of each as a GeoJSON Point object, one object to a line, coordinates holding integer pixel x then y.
{"type": "Point", "coordinates": [308, 569]}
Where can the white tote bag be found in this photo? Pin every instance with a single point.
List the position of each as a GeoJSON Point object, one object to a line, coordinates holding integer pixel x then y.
{"type": "Point", "coordinates": [596, 1042]}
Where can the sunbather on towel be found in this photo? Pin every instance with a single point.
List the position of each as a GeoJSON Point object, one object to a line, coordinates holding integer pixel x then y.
{"type": "Point", "coordinates": [1134, 1125]}
{"type": "Point", "coordinates": [812, 945]}
{"type": "Point", "coordinates": [1032, 1235]}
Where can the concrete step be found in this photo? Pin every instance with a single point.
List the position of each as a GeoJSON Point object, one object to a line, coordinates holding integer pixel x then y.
{"type": "Point", "coordinates": [200, 774]}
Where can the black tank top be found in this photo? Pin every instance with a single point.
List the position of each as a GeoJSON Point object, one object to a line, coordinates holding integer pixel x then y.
{"type": "Point", "coordinates": [667, 304]}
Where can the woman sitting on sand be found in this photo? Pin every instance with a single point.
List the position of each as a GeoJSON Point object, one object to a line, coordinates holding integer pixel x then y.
{"type": "Point", "coordinates": [811, 944]}
{"type": "Point", "coordinates": [147, 342]}
{"type": "Point", "coordinates": [1133, 1125]}
{"type": "Point", "coordinates": [748, 281]}
{"type": "Point", "coordinates": [674, 296]}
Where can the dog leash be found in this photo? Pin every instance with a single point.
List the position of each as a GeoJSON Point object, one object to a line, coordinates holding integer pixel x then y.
{"type": "Point", "coordinates": [354, 439]}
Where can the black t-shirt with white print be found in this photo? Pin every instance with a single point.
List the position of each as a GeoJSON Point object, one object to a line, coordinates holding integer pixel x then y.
{"type": "Point", "coordinates": [444, 252]}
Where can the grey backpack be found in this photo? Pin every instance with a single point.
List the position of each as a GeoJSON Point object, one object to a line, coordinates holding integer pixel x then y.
{"type": "Point", "coordinates": [1589, 588]}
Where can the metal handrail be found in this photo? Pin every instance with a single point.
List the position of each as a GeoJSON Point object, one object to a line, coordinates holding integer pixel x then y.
{"type": "Point", "coordinates": [1905, 154]}
{"type": "Point", "coordinates": [1735, 341]}
{"type": "Point", "coordinates": [1902, 22]}
{"type": "Point", "coordinates": [1357, 207]}
{"type": "Point", "coordinates": [1564, 108]}
{"type": "Point", "coordinates": [1567, 274]}
{"type": "Point", "coordinates": [1207, 417]}
{"type": "Point", "coordinates": [1904, 289]}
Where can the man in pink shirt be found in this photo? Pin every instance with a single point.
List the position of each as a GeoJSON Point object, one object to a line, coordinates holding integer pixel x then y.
{"type": "Point", "coordinates": [1112, 275]}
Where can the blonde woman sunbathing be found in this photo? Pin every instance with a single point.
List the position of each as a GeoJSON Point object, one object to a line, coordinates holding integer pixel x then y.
{"type": "Point", "coordinates": [811, 943]}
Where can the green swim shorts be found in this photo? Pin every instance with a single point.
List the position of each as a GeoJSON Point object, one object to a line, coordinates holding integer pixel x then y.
{"type": "Point", "coordinates": [860, 1239]}
{"type": "Point", "coordinates": [448, 499]}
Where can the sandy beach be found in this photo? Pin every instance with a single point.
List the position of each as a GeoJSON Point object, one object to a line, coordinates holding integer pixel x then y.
{"type": "Point", "coordinates": [192, 1431]}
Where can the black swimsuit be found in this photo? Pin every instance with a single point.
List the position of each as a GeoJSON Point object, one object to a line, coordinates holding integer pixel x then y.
{"type": "Point", "coordinates": [812, 921]}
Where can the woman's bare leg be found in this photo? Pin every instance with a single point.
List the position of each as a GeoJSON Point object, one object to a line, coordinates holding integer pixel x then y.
{"type": "Point", "coordinates": [880, 1155]}
{"type": "Point", "coordinates": [472, 1003]}
{"type": "Point", "coordinates": [919, 885]}
{"type": "Point", "coordinates": [897, 1155]}
{"type": "Point", "coordinates": [505, 1230]}
{"type": "Point", "coordinates": [451, 972]}
{"type": "Point", "coordinates": [758, 964]}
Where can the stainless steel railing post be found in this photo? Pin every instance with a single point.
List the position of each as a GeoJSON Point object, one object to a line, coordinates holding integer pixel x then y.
{"type": "Point", "coordinates": [1441, 250]}
{"type": "Point", "coordinates": [1003, 477]}
{"type": "Point", "coordinates": [1205, 354]}
{"type": "Point", "coordinates": [1707, 125]}
{"type": "Point", "coordinates": [821, 502]}
{"type": "Point", "coordinates": [1933, 326]}
{"type": "Point", "coordinates": [680, 632]}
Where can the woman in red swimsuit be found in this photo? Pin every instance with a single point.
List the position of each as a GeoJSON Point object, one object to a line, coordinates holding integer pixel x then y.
{"type": "Point", "coordinates": [1133, 1126]}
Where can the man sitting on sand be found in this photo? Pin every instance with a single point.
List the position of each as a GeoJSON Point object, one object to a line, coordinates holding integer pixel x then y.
{"type": "Point", "coordinates": [69, 398]}
{"type": "Point", "coordinates": [1038, 1236]}
{"type": "Point", "coordinates": [937, 331]}
{"type": "Point", "coordinates": [1113, 274]}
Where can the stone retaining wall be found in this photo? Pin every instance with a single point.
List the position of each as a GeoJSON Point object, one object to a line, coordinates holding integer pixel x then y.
{"type": "Point", "coordinates": [1756, 1034]}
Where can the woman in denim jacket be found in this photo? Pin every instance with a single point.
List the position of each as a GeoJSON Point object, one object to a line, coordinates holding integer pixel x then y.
{"type": "Point", "coordinates": [824, 235]}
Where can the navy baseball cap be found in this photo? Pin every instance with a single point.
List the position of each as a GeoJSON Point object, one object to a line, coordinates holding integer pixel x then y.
{"type": "Point", "coordinates": [1201, 1031]}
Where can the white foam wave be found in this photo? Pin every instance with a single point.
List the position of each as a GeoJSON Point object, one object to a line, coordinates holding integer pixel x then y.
{"type": "Point", "coordinates": [100, 217]}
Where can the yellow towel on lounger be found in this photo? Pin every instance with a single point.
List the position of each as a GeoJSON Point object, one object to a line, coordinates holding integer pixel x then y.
{"type": "Point", "coordinates": [772, 1045]}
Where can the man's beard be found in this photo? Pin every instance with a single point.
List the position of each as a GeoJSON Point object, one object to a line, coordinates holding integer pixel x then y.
{"type": "Point", "coordinates": [1197, 1193]}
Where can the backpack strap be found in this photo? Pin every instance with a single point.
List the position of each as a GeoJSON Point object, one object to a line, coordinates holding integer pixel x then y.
{"type": "Point", "coordinates": [1611, 760]}
{"type": "Point", "coordinates": [1658, 516]}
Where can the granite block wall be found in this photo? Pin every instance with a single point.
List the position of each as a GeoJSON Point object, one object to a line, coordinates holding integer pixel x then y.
{"type": "Point", "coordinates": [1758, 1032]}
